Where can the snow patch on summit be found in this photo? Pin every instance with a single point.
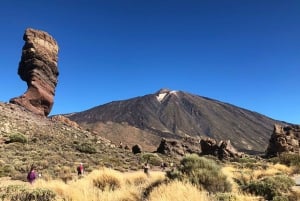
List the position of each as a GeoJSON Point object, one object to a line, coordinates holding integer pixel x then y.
{"type": "Point", "coordinates": [160, 97]}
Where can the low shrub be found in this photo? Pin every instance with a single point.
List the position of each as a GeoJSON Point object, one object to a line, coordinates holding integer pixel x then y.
{"type": "Point", "coordinates": [174, 174]}
{"type": "Point", "coordinates": [202, 172]}
{"type": "Point", "coordinates": [225, 197]}
{"type": "Point", "coordinates": [290, 159]}
{"type": "Point", "coordinates": [152, 158]}
{"type": "Point", "coordinates": [271, 187]}
{"type": "Point", "coordinates": [177, 191]}
{"type": "Point", "coordinates": [281, 198]}
{"type": "Point", "coordinates": [107, 180]}
{"type": "Point", "coordinates": [244, 160]}
{"type": "Point", "coordinates": [6, 170]}
{"type": "Point", "coordinates": [17, 137]}
{"type": "Point", "coordinates": [86, 148]}
{"type": "Point", "coordinates": [65, 174]}
{"type": "Point", "coordinates": [21, 193]}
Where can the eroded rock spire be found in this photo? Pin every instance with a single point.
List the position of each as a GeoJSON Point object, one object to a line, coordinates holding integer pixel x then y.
{"type": "Point", "coordinates": [38, 68]}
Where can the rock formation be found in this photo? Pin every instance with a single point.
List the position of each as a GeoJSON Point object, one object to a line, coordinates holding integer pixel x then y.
{"type": "Point", "coordinates": [178, 147]}
{"type": "Point", "coordinates": [222, 150]}
{"type": "Point", "coordinates": [65, 120]}
{"type": "Point", "coordinates": [284, 139]}
{"type": "Point", "coordinates": [38, 68]}
{"type": "Point", "coordinates": [208, 146]}
{"type": "Point", "coordinates": [136, 149]}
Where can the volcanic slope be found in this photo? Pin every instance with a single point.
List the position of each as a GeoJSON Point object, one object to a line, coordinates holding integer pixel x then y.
{"type": "Point", "coordinates": [177, 114]}
{"type": "Point", "coordinates": [54, 146]}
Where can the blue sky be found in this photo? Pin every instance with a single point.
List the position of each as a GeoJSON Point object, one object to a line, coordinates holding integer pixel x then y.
{"type": "Point", "coordinates": [243, 52]}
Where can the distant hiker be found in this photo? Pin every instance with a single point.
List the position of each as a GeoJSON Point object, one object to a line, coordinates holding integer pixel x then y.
{"type": "Point", "coordinates": [163, 166]}
{"type": "Point", "coordinates": [120, 145]}
{"type": "Point", "coordinates": [80, 169]}
{"type": "Point", "coordinates": [172, 166]}
{"type": "Point", "coordinates": [31, 176]}
{"type": "Point", "coordinates": [146, 168]}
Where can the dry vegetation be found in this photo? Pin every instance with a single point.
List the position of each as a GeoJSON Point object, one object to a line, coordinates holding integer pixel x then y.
{"type": "Point", "coordinates": [106, 184]}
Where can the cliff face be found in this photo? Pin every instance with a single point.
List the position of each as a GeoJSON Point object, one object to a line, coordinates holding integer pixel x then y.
{"type": "Point", "coordinates": [38, 68]}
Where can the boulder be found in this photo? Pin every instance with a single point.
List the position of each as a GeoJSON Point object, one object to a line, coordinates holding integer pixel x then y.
{"type": "Point", "coordinates": [136, 149]}
{"type": "Point", "coordinates": [38, 68]}
{"type": "Point", "coordinates": [222, 150]}
{"type": "Point", "coordinates": [65, 120]}
{"type": "Point", "coordinates": [209, 146]}
{"type": "Point", "coordinates": [189, 145]}
{"type": "Point", "coordinates": [179, 147]}
{"type": "Point", "coordinates": [284, 139]}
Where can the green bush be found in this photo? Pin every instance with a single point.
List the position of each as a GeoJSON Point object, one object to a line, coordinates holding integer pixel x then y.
{"type": "Point", "coordinates": [244, 160]}
{"type": "Point", "coordinates": [17, 137]}
{"type": "Point", "coordinates": [174, 174]}
{"type": "Point", "coordinates": [86, 148]}
{"type": "Point", "coordinates": [271, 187]}
{"type": "Point", "coordinates": [6, 170]}
{"type": "Point", "coordinates": [202, 172]}
{"type": "Point", "coordinates": [152, 158]}
{"type": "Point", "coordinates": [281, 198]}
{"type": "Point", "coordinates": [289, 159]}
{"type": "Point", "coordinates": [225, 197]}
{"type": "Point", "coordinates": [21, 193]}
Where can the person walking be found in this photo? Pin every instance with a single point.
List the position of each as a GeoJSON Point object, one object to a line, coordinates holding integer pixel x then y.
{"type": "Point", "coordinates": [146, 168]}
{"type": "Point", "coordinates": [80, 169]}
{"type": "Point", "coordinates": [31, 176]}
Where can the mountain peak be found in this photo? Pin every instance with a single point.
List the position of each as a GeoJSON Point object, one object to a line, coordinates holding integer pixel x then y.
{"type": "Point", "coordinates": [162, 93]}
{"type": "Point", "coordinates": [163, 90]}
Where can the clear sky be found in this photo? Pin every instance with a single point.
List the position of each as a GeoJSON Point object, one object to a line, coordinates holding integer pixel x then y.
{"type": "Point", "coordinates": [243, 52]}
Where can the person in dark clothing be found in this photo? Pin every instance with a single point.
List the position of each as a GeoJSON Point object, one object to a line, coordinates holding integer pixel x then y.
{"type": "Point", "coordinates": [80, 169]}
{"type": "Point", "coordinates": [146, 168]}
{"type": "Point", "coordinates": [163, 166]}
{"type": "Point", "coordinates": [31, 176]}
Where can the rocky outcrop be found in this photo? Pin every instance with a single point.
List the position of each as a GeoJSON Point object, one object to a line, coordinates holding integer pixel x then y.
{"type": "Point", "coordinates": [208, 146]}
{"type": "Point", "coordinates": [170, 147]}
{"type": "Point", "coordinates": [222, 150]}
{"type": "Point", "coordinates": [179, 147]}
{"type": "Point", "coordinates": [136, 149]}
{"type": "Point", "coordinates": [38, 68]}
{"type": "Point", "coordinates": [284, 139]}
{"type": "Point", "coordinates": [65, 120]}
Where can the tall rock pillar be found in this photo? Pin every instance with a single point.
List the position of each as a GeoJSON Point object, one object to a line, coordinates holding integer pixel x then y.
{"type": "Point", "coordinates": [38, 68]}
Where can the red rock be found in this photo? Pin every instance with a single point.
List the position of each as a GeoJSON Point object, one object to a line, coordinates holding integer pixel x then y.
{"type": "Point", "coordinates": [38, 68]}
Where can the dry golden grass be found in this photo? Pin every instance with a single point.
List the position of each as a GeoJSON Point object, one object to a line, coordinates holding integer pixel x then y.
{"type": "Point", "coordinates": [231, 173]}
{"type": "Point", "coordinates": [110, 185]}
{"type": "Point", "coordinates": [178, 191]}
{"type": "Point", "coordinates": [246, 175]}
{"type": "Point", "coordinates": [246, 197]}
{"type": "Point", "coordinates": [272, 170]}
{"type": "Point", "coordinates": [103, 185]}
